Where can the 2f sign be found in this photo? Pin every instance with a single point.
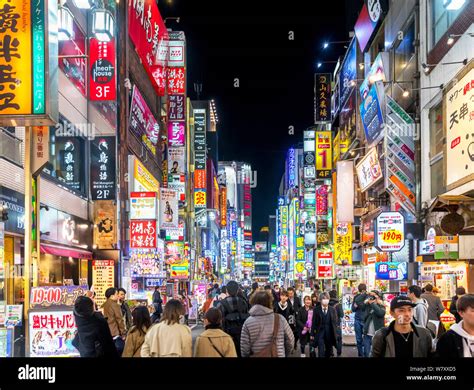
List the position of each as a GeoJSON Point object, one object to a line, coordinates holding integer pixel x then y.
{"type": "Point", "coordinates": [103, 194]}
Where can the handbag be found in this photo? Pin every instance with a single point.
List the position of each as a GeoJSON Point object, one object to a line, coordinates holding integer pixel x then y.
{"type": "Point", "coordinates": [270, 350]}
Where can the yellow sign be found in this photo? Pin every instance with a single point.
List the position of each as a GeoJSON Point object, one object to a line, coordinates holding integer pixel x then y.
{"type": "Point", "coordinates": [343, 243]}
{"type": "Point", "coordinates": [145, 178]}
{"type": "Point", "coordinates": [337, 148]}
{"type": "Point", "coordinates": [323, 154]}
{"type": "Point", "coordinates": [16, 58]}
{"type": "Point", "coordinates": [200, 198]}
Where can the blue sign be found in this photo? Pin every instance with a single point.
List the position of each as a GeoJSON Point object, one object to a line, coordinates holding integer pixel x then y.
{"type": "Point", "coordinates": [292, 174]}
{"type": "Point", "coordinates": [348, 74]}
{"type": "Point", "coordinates": [391, 271]}
{"type": "Point", "coordinates": [371, 115]}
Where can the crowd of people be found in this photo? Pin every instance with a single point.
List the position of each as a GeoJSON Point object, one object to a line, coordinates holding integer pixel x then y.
{"type": "Point", "coordinates": [270, 322]}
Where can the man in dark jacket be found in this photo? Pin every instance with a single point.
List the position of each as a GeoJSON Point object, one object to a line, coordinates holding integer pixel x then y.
{"type": "Point", "coordinates": [359, 308]}
{"type": "Point", "coordinates": [293, 299]}
{"type": "Point", "coordinates": [334, 302]}
{"type": "Point", "coordinates": [113, 314]}
{"type": "Point", "coordinates": [374, 320]}
{"type": "Point", "coordinates": [402, 338]}
{"type": "Point", "coordinates": [458, 341]}
{"type": "Point", "coordinates": [93, 337]}
{"type": "Point", "coordinates": [126, 312]}
{"type": "Point", "coordinates": [235, 311]}
{"type": "Point", "coordinates": [435, 306]}
{"type": "Point", "coordinates": [460, 291]}
{"type": "Point", "coordinates": [324, 327]}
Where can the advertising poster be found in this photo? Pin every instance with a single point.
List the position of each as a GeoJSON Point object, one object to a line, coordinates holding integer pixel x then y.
{"type": "Point", "coordinates": [169, 217]}
{"type": "Point", "coordinates": [51, 334]}
{"type": "Point", "coordinates": [322, 200]}
{"type": "Point", "coordinates": [368, 170]}
{"type": "Point", "coordinates": [174, 252]}
{"type": "Point", "coordinates": [105, 236]}
{"type": "Point", "coordinates": [142, 122]}
{"type": "Point", "coordinates": [325, 265]}
{"type": "Point", "coordinates": [459, 107]}
{"type": "Point", "coordinates": [446, 247]}
{"type": "Point", "coordinates": [45, 297]}
{"type": "Point", "coordinates": [143, 234]}
{"type": "Point", "coordinates": [143, 205]}
{"type": "Point", "coordinates": [103, 277]}
{"type": "Point", "coordinates": [176, 133]}
{"type": "Point", "coordinates": [176, 161]}
{"type": "Point", "coordinates": [390, 231]}
{"type": "Point", "coordinates": [348, 73]}
{"type": "Point", "coordinates": [13, 315]}
{"type": "Point", "coordinates": [391, 271]}
{"type": "Point", "coordinates": [323, 154]}
{"type": "Point", "coordinates": [178, 183]}
{"type": "Point", "coordinates": [343, 244]}
{"type": "Point", "coordinates": [180, 270]}
{"type": "Point", "coordinates": [146, 263]}
{"type": "Point", "coordinates": [372, 114]}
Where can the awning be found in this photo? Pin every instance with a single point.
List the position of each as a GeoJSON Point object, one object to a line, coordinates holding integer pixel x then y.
{"type": "Point", "coordinates": [440, 203]}
{"type": "Point", "coordinates": [65, 252]}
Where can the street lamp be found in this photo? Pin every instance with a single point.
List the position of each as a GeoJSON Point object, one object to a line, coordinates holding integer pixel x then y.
{"type": "Point", "coordinates": [319, 64]}
{"type": "Point", "coordinates": [326, 44]}
{"type": "Point", "coordinates": [83, 4]}
{"type": "Point", "coordinates": [102, 25]}
{"type": "Point", "coordinates": [66, 24]}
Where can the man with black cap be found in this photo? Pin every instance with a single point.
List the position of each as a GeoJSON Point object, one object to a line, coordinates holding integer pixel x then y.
{"type": "Point", "coordinates": [235, 311]}
{"type": "Point", "coordinates": [402, 338]}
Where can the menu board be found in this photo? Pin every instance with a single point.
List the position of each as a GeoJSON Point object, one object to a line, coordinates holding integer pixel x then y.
{"type": "Point", "coordinates": [103, 276]}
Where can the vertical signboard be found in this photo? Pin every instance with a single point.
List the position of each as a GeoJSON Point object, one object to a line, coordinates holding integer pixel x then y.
{"type": "Point", "coordinates": [102, 85]}
{"type": "Point", "coordinates": [322, 98]}
{"type": "Point", "coordinates": [102, 168]}
{"type": "Point", "coordinates": [343, 244]}
{"type": "Point", "coordinates": [372, 113]}
{"type": "Point", "coordinates": [325, 265]}
{"type": "Point", "coordinates": [345, 191]}
{"type": "Point", "coordinates": [323, 154]}
{"type": "Point", "coordinates": [103, 277]}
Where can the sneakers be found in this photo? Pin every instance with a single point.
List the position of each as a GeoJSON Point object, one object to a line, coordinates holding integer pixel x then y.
{"type": "Point", "coordinates": [303, 355]}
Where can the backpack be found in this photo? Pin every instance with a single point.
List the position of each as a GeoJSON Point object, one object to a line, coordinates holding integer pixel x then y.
{"type": "Point", "coordinates": [234, 316]}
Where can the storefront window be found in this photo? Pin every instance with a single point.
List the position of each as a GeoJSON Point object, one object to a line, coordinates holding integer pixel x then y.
{"type": "Point", "coordinates": [442, 18]}
{"type": "Point", "coordinates": [56, 270]}
{"type": "Point", "coordinates": [436, 150]}
{"type": "Point", "coordinates": [67, 163]}
{"type": "Point", "coordinates": [405, 51]}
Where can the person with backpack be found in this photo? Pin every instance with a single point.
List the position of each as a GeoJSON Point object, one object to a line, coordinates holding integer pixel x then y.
{"type": "Point", "coordinates": [234, 311]}
{"type": "Point", "coordinates": [420, 315]}
{"type": "Point", "coordinates": [334, 302]}
{"type": "Point", "coordinates": [265, 333]}
{"type": "Point", "coordinates": [214, 342]}
{"type": "Point", "coordinates": [458, 341]}
{"type": "Point", "coordinates": [374, 320]}
{"type": "Point", "coordinates": [402, 338]}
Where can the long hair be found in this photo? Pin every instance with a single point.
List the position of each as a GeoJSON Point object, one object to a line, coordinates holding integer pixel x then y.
{"type": "Point", "coordinates": [172, 311]}
{"type": "Point", "coordinates": [141, 319]}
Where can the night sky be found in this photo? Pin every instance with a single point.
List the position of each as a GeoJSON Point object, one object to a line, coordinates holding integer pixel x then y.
{"type": "Point", "coordinates": [249, 40]}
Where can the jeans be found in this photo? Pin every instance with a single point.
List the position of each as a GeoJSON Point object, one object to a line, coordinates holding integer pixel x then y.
{"type": "Point", "coordinates": [119, 344]}
{"type": "Point", "coordinates": [339, 341]}
{"type": "Point", "coordinates": [359, 330]}
{"type": "Point", "coordinates": [367, 345]}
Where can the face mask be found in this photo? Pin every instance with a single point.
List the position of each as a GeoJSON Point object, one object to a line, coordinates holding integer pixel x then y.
{"type": "Point", "coordinates": [325, 302]}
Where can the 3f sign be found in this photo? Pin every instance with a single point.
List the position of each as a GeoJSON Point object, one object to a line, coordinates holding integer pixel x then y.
{"type": "Point", "coordinates": [102, 92]}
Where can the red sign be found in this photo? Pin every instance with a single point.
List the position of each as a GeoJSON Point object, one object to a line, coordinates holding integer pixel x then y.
{"type": "Point", "coordinates": [149, 35]}
{"type": "Point", "coordinates": [102, 70]}
{"type": "Point", "coordinates": [176, 81]}
{"type": "Point", "coordinates": [223, 206]}
{"type": "Point", "coordinates": [200, 178]}
{"type": "Point", "coordinates": [322, 200]}
{"type": "Point", "coordinates": [143, 234]}
{"type": "Point", "coordinates": [325, 265]}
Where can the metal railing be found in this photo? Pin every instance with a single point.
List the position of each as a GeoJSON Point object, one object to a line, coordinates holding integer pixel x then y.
{"type": "Point", "coordinates": [10, 147]}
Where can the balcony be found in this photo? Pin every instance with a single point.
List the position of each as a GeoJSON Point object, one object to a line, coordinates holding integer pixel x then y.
{"type": "Point", "coordinates": [10, 147]}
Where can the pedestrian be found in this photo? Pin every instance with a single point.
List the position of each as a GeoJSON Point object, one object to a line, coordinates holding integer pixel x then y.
{"type": "Point", "coordinates": [420, 315]}
{"type": "Point", "coordinates": [136, 335]}
{"type": "Point", "coordinates": [334, 302]}
{"type": "Point", "coordinates": [374, 320]}
{"type": "Point", "coordinates": [285, 308]}
{"type": "Point", "coordinates": [304, 320]}
{"type": "Point", "coordinates": [234, 311]}
{"type": "Point", "coordinates": [170, 337]}
{"type": "Point", "coordinates": [314, 300]}
{"type": "Point", "coordinates": [276, 293]}
{"type": "Point", "coordinates": [402, 338]}
{"type": "Point", "coordinates": [214, 342]}
{"type": "Point", "coordinates": [183, 297]}
{"type": "Point", "coordinates": [113, 314]}
{"type": "Point", "coordinates": [253, 290]}
{"type": "Point", "coordinates": [223, 294]}
{"type": "Point", "coordinates": [93, 338]}
{"type": "Point", "coordinates": [157, 305]}
{"type": "Point", "coordinates": [359, 308]}
{"type": "Point", "coordinates": [293, 299]}
{"type": "Point", "coordinates": [265, 333]}
{"type": "Point", "coordinates": [435, 306]}
{"type": "Point", "coordinates": [460, 291]}
{"type": "Point", "coordinates": [458, 341]}
{"type": "Point", "coordinates": [126, 312]}
{"type": "Point", "coordinates": [324, 327]}
{"type": "Point", "coordinates": [208, 303]}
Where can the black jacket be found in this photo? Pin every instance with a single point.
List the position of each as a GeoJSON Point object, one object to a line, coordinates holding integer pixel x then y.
{"type": "Point", "coordinates": [296, 304]}
{"type": "Point", "coordinates": [288, 313]}
{"type": "Point", "coordinates": [338, 306]}
{"type": "Point", "coordinates": [318, 321]}
{"type": "Point", "coordinates": [450, 345]}
{"type": "Point", "coordinates": [301, 319]}
{"type": "Point", "coordinates": [157, 302]}
{"type": "Point", "coordinates": [93, 337]}
{"type": "Point", "coordinates": [454, 310]}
